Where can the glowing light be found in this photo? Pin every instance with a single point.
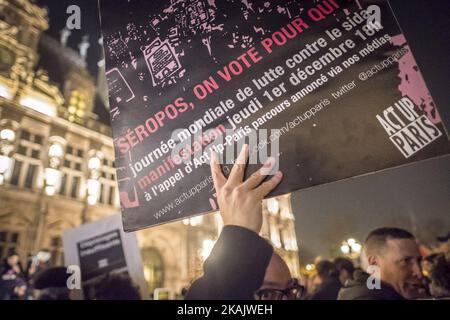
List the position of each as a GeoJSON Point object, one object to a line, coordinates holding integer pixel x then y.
{"type": "Point", "coordinates": [93, 186]}
{"type": "Point", "coordinates": [275, 236]}
{"type": "Point", "coordinates": [94, 163]}
{"type": "Point", "coordinates": [273, 206]}
{"type": "Point", "coordinates": [5, 92]}
{"type": "Point", "coordinates": [310, 267]}
{"type": "Point", "coordinates": [356, 247]}
{"type": "Point", "coordinates": [207, 247]}
{"type": "Point", "coordinates": [92, 199]}
{"type": "Point", "coordinates": [50, 190]}
{"type": "Point", "coordinates": [351, 242]}
{"type": "Point", "coordinates": [345, 249]}
{"type": "Point", "coordinates": [72, 109]}
{"type": "Point", "coordinates": [194, 221]}
{"type": "Point", "coordinates": [5, 164]}
{"type": "Point", "coordinates": [56, 151]}
{"type": "Point", "coordinates": [39, 105]}
{"type": "Point", "coordinates": [7, 134]}
{"type": "Point", "coordinates": [52, 176]}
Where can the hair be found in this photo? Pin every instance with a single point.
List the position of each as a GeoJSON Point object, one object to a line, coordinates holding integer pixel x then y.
{"type": "Point", "coordinates": [116, 287]}
{"type": "Point", "coordinates": [377, 239]}
{"type": "Point", "coordinates": [344, 264]}
{"type": "Point", "coordinates": [440, 274]}
{"type": "Point", "coordinates": [434, 257]}
{"type": "Point", "coordinates": [326, 269]}
{"type": "Point", "coordinates": [53, 293]}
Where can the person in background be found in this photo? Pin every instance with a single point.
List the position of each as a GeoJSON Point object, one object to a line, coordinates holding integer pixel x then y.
{"type": "Point", "coordinates": [444, 245]}
{"type": "Point", "coordinates": [440, 278]}
{"type": "Point", "coordinates": [38, 262]}
{"type": "Point", "coordinates": [11, 268]}
{"type": "Point", "coordinates": [429, 262]}
{"type": "Point", "coordinates": [393, 256]}
{"type": "Point", "coordinates": [10, 271]}
{"type": "Point", "coordinates": [345, 269]}
{"type": "Point", "coordinates": [236, 267]}
{"type": "Point", "coordinates": [19, 291]}
{"type": "Point", "coordinates": [329, 278]}
{"type": "Point", "coordinates": [116, 286]}
{"type": "Point", "coordinates": [313, 282]}
{"type": "Point", "coordinates": [51, 284]}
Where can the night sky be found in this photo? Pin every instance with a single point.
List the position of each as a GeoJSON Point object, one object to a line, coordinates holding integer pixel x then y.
{"type": "Point", "coordinates": [90, 24]}
{"type": "Point", "coordinates": [416, 197]}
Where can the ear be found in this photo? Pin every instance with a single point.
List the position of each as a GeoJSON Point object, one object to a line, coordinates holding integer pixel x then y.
{"type": "Point", "coordinates": [373, 260]}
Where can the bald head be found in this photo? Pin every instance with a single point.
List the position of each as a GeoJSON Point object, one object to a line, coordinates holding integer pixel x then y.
{"type": "Point", "coordinates": [277, 274]}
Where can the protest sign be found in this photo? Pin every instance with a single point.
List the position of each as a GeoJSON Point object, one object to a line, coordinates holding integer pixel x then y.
{"type": "Point", "coordinates": [330, 88]}
{"type": "Point", "coordinates": [100, 248]}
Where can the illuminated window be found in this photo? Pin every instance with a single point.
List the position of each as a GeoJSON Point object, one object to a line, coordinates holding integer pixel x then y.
{"type": "Point", "coordinates": [107, 184]}
{"type": "Point", "coordinates": [16, 173]}
{"type": "Point", "coordinates": [153, 268]}
{"type": "Point", "coordinates": [71, 173]}
{"type": "Point", "coordinates": [56, 250]}
{"type": "Point", "coordinates": [30, 176]}
{"type": "Point", "coordinates": [75, 187]}
{"type": "Point", "coordinates": [77, 107]}
{"type": "Point", "coordinates": [27, 162]}
{"type": "Point", "coordinates": [63, 189]}
{"type": "Point", "coordinates": [9, 241]}
{"type": "Point", "coordinates": [111, 195]}
{"type": "Point", "coordinates": [275, 234]}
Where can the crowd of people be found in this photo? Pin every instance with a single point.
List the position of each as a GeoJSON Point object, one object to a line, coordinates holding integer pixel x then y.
{"type": "Point", "coordinates": [244, 266]}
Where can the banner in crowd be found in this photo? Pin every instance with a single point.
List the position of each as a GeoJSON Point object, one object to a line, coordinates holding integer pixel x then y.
{"type": "Point", "coordinates": [100, 248]}
{"type": "Point", "coordinates": [330, 88]}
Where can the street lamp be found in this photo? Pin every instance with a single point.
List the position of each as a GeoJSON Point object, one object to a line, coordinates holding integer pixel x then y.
{"type": "Point", "coordinates": [52, 173]}
{"type": "Point", "coordinates": [8, 130]}
{"type": "Point", "coordinates": [351, 248]}
{"type": "Point", "coordinates": [52, 181]}
{"type": "Point", "coordinates": [93, 183]}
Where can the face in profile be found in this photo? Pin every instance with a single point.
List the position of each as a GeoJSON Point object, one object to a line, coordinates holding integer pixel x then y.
{"type": "Point", "coordinates": [400, 266]}
{"type": "Point", "coordinates": [20, 291]}
{"type": "Point", "coordinates": [278, 284]}
{"type": "Point", "coordinates": [13, 260]}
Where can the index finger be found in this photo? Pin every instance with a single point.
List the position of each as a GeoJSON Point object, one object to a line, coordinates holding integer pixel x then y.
{"type": "Point", "coordinates": [216, 172]}
{"type": "Point", "coordinates": [237, 172]}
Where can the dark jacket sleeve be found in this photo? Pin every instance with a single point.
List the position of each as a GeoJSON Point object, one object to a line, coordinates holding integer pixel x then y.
{"type": "Point", "coordinates": [235, 268]}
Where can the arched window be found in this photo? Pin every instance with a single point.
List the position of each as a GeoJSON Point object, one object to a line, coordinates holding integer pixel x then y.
{"type": "Point", "coordinates": [153, 268]}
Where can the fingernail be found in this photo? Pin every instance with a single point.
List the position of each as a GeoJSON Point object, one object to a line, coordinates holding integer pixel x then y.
{"type": "Point", "coordinates": [269, 162]}
{"type": "Point", "coordinates": [213, 157]}
{"type": "Point", "coordinates": [279, 174]}
{"type": "Point", "coordinates": [267, 166]}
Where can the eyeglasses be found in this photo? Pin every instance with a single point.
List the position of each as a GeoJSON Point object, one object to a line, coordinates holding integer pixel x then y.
{"type": "Point", "coordinates": [294, 292]}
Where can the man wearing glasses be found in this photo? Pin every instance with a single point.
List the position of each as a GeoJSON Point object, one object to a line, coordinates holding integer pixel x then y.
{"type": "Point", "coordinates": [242, 265]}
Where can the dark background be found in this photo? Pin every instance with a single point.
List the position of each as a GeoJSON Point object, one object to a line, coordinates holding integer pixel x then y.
{"type": "Point", "coordinates": [416, 197]}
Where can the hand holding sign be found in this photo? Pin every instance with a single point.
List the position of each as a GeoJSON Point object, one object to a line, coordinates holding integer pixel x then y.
{"type": "Point", "coordinates": [240, 202]}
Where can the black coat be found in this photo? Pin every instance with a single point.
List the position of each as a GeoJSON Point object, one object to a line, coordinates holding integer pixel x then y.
{"type": "Point", "coordinates": [328, 290]}
{"type": "Point", "coordinates": [235, 268]}
{"type": "Point", "coordinates": [357, 289]}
